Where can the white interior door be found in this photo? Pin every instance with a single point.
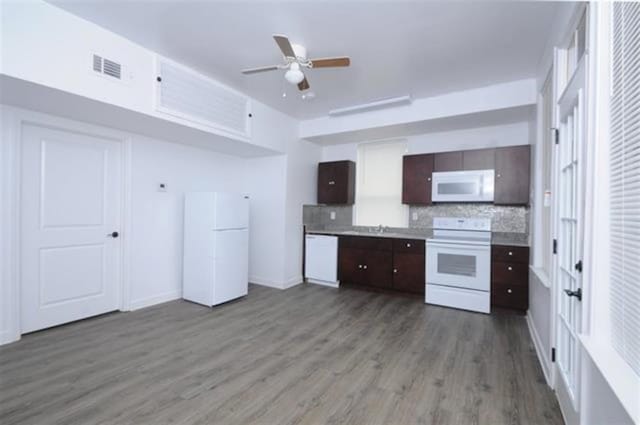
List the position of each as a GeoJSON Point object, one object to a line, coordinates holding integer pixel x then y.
{"type": "Point", "coordinates": [70, 205]}
{"type": "Point", "coordinates": [568, 282]}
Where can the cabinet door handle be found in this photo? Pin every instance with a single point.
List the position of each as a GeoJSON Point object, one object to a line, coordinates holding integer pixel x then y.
{"type": "Point", "coordinates": [395, 270]}
{"type": "Point", "coordinates": [364, 267]}
{"type": "Point", "coordinates": [428, 179]}
{"type": "Point", "coordinates": [510, 253]}
{"type": "Point", "coordinates": [408, 245]}
{"type": "Point", "coordinates": [509, 291]}
{"type": "Point", "coordinates": [332, 182]}
{"type": "Point", "coordinates": [509, 268]}
{"type": "Point", "coordinates": [498, 175]}
{"type": "Point", "coordinates": [359, 266]}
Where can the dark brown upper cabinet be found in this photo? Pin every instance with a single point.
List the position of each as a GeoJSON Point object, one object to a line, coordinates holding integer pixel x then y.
{"type": "Point", "coordinates": [447, 161]}
{"type": "Point", "coordinates": [512, 175]}
{"type": "Point", "coordinates": [479, 159]}
{"type": "Point", "coordinates": [416, 179]}
{"type": "Point", "coordinates": [336, 182]}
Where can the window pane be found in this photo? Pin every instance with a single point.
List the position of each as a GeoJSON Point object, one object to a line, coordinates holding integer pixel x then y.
{"type": "Point", "coordinates": [379, 184]}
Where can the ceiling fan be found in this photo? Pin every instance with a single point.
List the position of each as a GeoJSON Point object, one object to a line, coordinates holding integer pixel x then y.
{"type": "Point", "coordinates": [295, 58]}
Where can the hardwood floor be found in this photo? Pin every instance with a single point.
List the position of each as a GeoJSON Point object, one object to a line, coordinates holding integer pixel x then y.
{"type": "Point", "coordinates": [307, 355]}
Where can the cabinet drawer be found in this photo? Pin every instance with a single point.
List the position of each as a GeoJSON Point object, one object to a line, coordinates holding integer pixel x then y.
{"type": "Point", "coordinates": [510, 254]}
{"type": "Point", "coordinates": [510, 273]}
{"type": "Point", "coordinates": [410, 246]}
{"type": "Point", "coordinates": [366, 242]}
{"type": "Point", "coordinates": [510, 296]}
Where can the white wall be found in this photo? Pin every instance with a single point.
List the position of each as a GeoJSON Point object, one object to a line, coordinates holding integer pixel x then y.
{"type": "Point", "coordinates": [278, 186]}
{"type": "Point", "coordinates": [600, 404]}
{"type": "Point", "coordinates": [60, 48]}
{"type": "Point", "coordinates": [302, 175]}
{"type": "Point", "coordinates": [267, 219]}
{"type": "Point", "coordinates": [498, 97]}
{"type": "Point", "coordinates": [539, 321]}
{"type": "Point", "coordinates": [276, 218]}
{"type": "Point", "coordinates": [473, 138]}
{"type": "Point", "coordinates": [157, 217]}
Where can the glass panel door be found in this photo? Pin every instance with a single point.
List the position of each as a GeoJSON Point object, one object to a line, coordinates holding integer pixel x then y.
{"type": "Point", "coordinates": [567, 275]}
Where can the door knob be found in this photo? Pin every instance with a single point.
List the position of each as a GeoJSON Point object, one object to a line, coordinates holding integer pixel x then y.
{"type": "Point", "coordinates": [113, 235]}
{"type": "Point", "coordinates": [577, 293]}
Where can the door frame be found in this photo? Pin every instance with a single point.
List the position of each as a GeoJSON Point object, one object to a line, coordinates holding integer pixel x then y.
{"type": "Point", "coordinates": [14, 120]}
{"type": "Point", "coordinates": [560, 81]}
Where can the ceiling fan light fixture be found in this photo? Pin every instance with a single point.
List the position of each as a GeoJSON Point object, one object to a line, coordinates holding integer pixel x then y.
{"type": "Point", "coordinates": [294, 75]}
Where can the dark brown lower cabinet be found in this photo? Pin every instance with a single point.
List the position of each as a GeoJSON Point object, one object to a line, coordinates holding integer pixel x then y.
{"type": "Point", "coordinates": [510, 277]}
{"type": "Point", "coordinates": [367, 267]}
{"type": "Point", "coordinates": [395, 264]}
{"type": "Point", "coordinates": [408, 272]}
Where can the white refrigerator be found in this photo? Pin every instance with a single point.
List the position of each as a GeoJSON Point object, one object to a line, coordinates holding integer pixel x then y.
{"type": "Point", "coordinates": [216, 247]}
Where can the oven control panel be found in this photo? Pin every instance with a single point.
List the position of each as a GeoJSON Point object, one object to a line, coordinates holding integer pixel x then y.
{"type": "Point", "coordinates": [462, 223]}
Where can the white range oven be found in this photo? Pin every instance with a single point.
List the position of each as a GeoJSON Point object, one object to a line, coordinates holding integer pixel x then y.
{"type": "Point", "coordinates": [458, 266]}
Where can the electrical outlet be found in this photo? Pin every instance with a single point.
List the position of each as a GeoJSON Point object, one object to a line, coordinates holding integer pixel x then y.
{"type": "Point", "coordinates": [332, 215]}
{"type": "Point", "coordinates": [414, 216]}
{"type": "Point", "coordinates": [162, 187]}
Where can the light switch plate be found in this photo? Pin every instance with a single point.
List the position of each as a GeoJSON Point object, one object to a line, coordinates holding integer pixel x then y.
{"type": "Point", "coordinates": [332, 215]}
{"type": "Point", "coordinates": [414, 216]}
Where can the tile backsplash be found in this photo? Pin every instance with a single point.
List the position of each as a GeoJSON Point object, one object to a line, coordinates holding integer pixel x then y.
{"type": "Point", "coordinates": [319, 216]}
{"type": "Point", "coordinates": [505, 219]}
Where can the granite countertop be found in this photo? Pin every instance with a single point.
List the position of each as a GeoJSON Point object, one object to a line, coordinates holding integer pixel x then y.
{"type": "Point", "coordinates": [511, 239]}
{"type": "Point", "coordinates": [394, 235]}
{"type": "Point", "coordinates": [497, 238]}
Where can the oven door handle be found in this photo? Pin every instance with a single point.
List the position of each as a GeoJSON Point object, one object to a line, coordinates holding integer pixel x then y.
{"type": "Point", "coordinates": [459, 246]}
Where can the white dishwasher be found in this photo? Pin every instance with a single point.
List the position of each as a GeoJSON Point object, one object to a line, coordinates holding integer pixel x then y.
{"type": "Point", "coordinates": [321, 259]}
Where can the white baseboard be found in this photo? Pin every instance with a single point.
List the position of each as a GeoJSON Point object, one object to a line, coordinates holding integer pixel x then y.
{"type": "Point", "coordinates": [156, 299]}
{"type": "Point", "coordinates": [324, 283]}
{"type": "Point", "coordinates": [543, 358]}
{"type": "Point", "coordinates": [265, 282]}
{"type": "Point", "coordinates": [296, 280]}
{"type": "Point", "coordinates": [291, 282]}
{"type": "Point", "coordinates": [7, 337]}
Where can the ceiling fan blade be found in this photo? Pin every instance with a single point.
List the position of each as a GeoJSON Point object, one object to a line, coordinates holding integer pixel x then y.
{"type": "Point", "coordinates": [285, 45]}
{"type": "Point", "coordinates": [303, 85]}
{"type": "Point", "coordinates": [330, 62]}
{"type": "Point", "coordinates": [260, 69]}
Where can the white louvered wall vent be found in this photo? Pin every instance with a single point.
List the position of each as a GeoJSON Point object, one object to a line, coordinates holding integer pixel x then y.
{"type": "Point", "coordinates": [107, 67]}
{"type": "Point", "coordinates": [193, 97]}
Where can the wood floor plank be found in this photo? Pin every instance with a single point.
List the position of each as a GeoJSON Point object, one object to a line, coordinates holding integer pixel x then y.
{"type": "Point", "coordinates": [307, 355]}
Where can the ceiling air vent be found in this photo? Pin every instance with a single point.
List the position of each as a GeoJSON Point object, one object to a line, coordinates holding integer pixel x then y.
{"type": "Point", "coordinates": [186, 94]}
{"type": "Point", "coordinates": [107, 67]}
{"type": "Point", "coordinates": [97, 63]}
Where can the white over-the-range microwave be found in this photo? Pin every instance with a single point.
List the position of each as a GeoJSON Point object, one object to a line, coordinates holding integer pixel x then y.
{"type": "Point", "coordinates": [463, 186]}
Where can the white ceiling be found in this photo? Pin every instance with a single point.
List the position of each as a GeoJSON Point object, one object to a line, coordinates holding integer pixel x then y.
{"type": "Point", "coordinates": [396, 48]}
